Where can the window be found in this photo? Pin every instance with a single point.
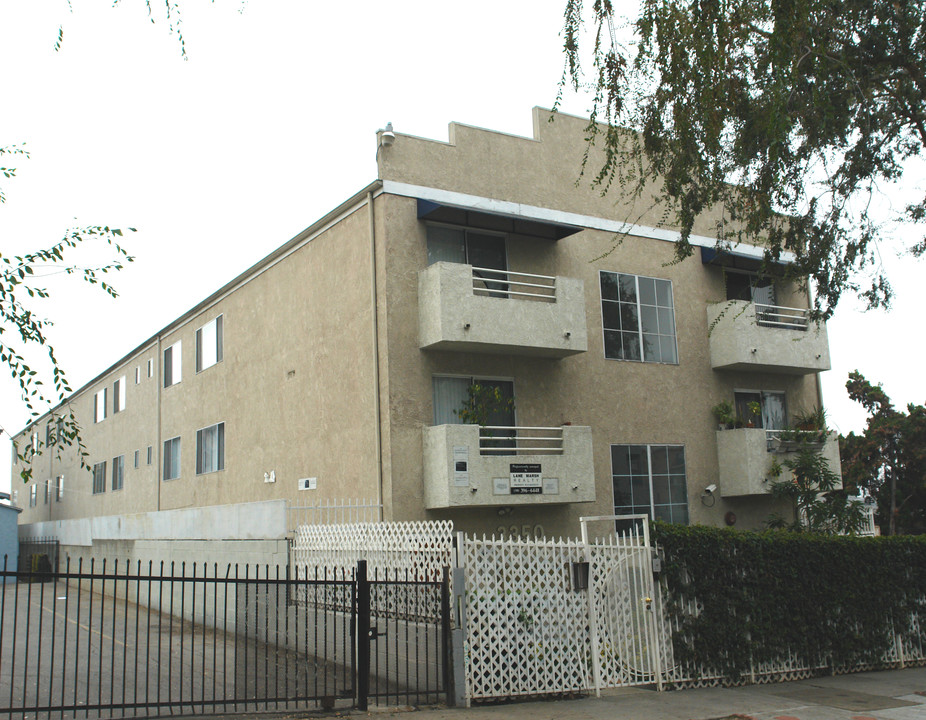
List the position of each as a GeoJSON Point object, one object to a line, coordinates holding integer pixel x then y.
{"type": "Point", "coordinates": [137, 375]}
{"type": "Point", "coordinates": [99, 478]}
{"type": "Point", "coordinates": [749, 286]}
{"type": "Point", "coordinates": [137, 458]}
{"type": "Point", "coordinates": [33, 492]}
{"type": "Point", "coordinates": [59, 488]}
{"type": "Point", "coordinates": [772, 413]}
{"type": "Point", "coordinates": [210, 449]}
{"type": "Point", "coordinates": [99, 405]}
{"type": "Point", "coordinates": [172, 458]}
{"type": "Point", "coordinates": [482, 250]}
{"type": "Point", "coordinates": [172, 361]}
{"type": "Point", "coordinates": [650, 479]}
{"type": "Point", "coordinates": [150, 455]}
{"type": "Point", "coordinates": [638, 315]}
{"type": "Point", "coordinates": [118, 472]}
{"type": "Point", "coordinates": [150, 367]}
{"type": "Point", "coordinates": [49, 435]}
{"type": "Point", "coordinates": [47, 491]}
{"type": "Point", "coordinates": [209, 344]}
{"type": "Point", "coordinates": [450, 393]}
{"type": "Point", "coordinates": [119, 395]}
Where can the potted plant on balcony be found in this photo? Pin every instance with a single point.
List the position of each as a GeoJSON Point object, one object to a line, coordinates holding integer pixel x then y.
{"type": "Point", "coordinates": [723, 413]}
{"type": "Point", "coordinates": [808, 429]}
{"type": "Point", "coordinates": [482, 403]}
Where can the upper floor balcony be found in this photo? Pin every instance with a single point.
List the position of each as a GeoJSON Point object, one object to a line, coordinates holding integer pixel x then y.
{"type": "Point", "coordinates": [473, 466]}
{"type": "Point", "coordinates": [766, 338]}
{"type": "Point", "coordinates": [472, 309]}
{"type": "Point", "coordinates": [746, 456]}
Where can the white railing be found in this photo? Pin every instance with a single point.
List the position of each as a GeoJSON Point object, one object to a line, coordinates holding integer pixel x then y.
{"type": "Point", "coordinates": [514, 440]}
{"type": "Point", "coordinates": [868, 529]}
{"type": "Point", "coordinates": [782, 317]}
{"type": "Point", "coordinates": [506, 284]}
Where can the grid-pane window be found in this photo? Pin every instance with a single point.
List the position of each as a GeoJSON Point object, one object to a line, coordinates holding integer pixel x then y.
{"type": "Point", "coordinates": [118, 472]}
{"type": "Point", "coordinates": [638, 314]}
{"type": "Point", "coordinates": [650, 479]}
{"type": "Point", "coordinates": [209, 344]}
{"type": "Point", "coordinates": [99, 478]}
{"type": "Point", "coordinates": [210, 449]}
{"type": "Point", "coordinates": [172, 363]}
{"type": "Point", "coordinates": [172, 458]}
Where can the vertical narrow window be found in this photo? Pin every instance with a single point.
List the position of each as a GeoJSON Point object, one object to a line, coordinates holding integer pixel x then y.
{"type": "Point", "coordinates": [47, 491]}
{"type": "Point", "coordinates": [172, 458]}
{"type": "Point", "coordinates": [99, 478]}
{"type": "Point", "coordinates": [137, 458]}
{"type": "Point", "coordinates": [210, 449]}
{"type": "Point", "coordinates": [59, 488]}
{"type": "Point", "coordinates": [209, 344]}
{"type": "Point", "coordinates": [32, 496]}
{"type": "Point", "coordinates": [99, 405]}
{"type": "Point", "coordinates": [150, 455]}
{"type": "Point", "coordinates": [172, 364]}
{"type": "Point", "coordinates": [49, 435]}
{"type": "Point", "coordinates": [150, 367]}
{"type": "Point", "coordinates": [118, 472]}
{"type": "Point", "coordinates": [137, 375]}
{"type": "Point", "coordinates": [119, 395]}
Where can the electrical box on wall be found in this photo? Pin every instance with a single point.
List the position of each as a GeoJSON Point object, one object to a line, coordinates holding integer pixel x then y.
{"type": "Point", "coordinates": [308, 483]}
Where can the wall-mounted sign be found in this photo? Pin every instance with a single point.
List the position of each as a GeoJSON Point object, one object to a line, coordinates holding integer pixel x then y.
{"type": "Point", "coordinates": [500, 486]}
{"type": "Point", "coordinates": [525, 478]}
{"type": "Point", "coordinates": [461, 465]}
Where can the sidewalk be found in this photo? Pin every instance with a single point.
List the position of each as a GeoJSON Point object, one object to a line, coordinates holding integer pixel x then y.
{"type": "Point", "coordinates": [885, 695]}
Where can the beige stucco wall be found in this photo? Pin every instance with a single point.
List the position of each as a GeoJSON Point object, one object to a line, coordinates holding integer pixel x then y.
{"type": "Point", "coordinates": [295, 390]}
{"type": "Point", "coordinates": [623, 402]}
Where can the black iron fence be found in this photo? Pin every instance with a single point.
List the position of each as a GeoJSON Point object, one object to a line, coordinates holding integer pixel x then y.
{"type": "Point", "coordinates": [121, 639]}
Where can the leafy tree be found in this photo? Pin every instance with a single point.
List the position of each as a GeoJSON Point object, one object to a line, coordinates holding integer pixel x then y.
{"type": "Point", "coordinates": [811, 487]}
{"type": "Point", "coordinates": [23, 331]}
{"type": "Point", "coordinates": [888, 460]}
{"type": "Point", "coordinates": [762, 110]}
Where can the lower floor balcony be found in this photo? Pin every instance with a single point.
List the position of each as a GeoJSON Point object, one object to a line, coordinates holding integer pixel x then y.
{"type": "Point", "coordinates": [473, 466]}
{"type": "Point", "coordinates": [746, 456]}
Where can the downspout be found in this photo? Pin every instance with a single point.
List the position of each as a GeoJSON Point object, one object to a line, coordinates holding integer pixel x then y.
{"type": "Point", "coordinates": [157, 445]}
{"type": "Point", "coordinates": [376, 393]}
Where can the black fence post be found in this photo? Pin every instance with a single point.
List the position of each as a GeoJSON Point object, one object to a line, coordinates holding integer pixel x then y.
{"type": "Point", "coordinates": [363, 635]}
{"type": "Point", "coordinates": [446, 642]}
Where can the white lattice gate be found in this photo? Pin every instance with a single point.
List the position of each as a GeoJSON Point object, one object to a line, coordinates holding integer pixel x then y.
{"type": "Point", "coordinates": [557, 616]}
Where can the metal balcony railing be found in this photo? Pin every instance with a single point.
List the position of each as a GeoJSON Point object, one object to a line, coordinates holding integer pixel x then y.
{"type": "Point", "coordinates": [782, 317]}
{"type": "Point", "coordinates": [507, 284]}
{"type": "Point", "coordinates": [515, 440]}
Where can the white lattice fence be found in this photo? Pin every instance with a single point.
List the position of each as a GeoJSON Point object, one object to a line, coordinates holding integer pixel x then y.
{"type": "Point", "coordinates": [414, 551]}
{"type": "Point", "coordinates": [527, 630]}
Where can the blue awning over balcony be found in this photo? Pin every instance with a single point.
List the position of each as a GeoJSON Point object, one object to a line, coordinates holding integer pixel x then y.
{"type": "Point", "coordinates": [737, 259]}
{"type": "Point", "coordinates": [495, 221]}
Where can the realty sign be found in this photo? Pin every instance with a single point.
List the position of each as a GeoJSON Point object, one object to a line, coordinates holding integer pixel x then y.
{"type": "Point", "coordinates": [525, 478]}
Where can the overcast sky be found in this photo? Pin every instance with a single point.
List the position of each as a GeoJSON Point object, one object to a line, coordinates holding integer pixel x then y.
{"type": "Point", "coordinates": [270, 123]}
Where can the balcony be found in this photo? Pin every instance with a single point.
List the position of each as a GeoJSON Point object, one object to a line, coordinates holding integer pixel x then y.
{"type": "Point", "coordinates": [470, 466]}
{"type": "Point", "coordinates": [470, 309]}
{"type": "Point", "coordinates": [766, 338]}
{"type": "Point", "coordinates": [745, 457]}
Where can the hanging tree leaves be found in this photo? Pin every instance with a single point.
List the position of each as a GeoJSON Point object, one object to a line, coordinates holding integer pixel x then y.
{"type": "Point", "coordinates": [765, 110]}
{"type": "Point", "coordinates": [23, 330]}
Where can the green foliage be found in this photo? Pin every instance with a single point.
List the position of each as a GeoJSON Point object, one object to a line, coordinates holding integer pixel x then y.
{"type": "Point", "coordinates": [483, 402]}
{"type": "Point", "coordinates": [888, 460]}
{"type": "Point", "coordinates": [810, 485]}
{"type": "Point", "coordinates": [753, 111]}
{"type": "Point", "coordinates": [724, 413]}
{"type": "Point", "coordinates": [768, 597]}
{"type": "Point", "coordinates": [23, 330]}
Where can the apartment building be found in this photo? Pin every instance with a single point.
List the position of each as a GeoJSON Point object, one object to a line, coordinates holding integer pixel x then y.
{"type": "Point", "coordinates": [337, 366]}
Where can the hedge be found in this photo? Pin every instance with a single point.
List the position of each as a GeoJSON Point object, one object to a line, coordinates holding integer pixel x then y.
{"type": "Point", "coordinates": [826, 601]}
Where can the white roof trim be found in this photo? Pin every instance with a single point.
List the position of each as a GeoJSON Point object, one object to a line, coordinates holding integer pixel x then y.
{"type": "Point", "coordinates": [532, 212]}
